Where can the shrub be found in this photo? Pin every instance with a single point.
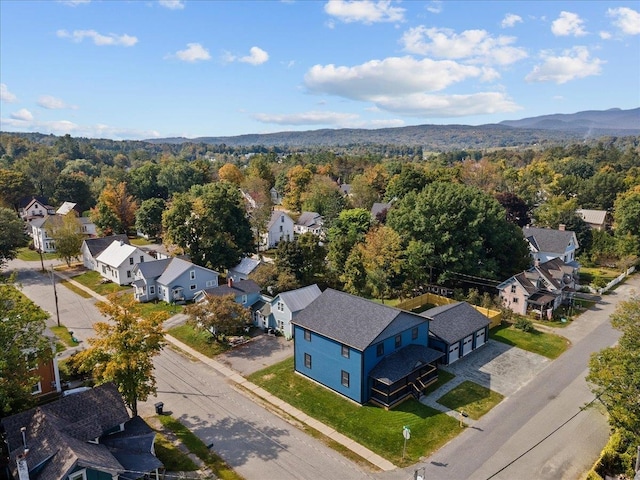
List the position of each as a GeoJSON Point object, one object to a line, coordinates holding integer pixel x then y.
{"type": "Point", "coordinates": [524, 324]}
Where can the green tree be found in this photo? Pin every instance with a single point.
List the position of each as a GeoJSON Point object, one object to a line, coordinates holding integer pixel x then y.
{"type": "Point", "coordinates": [613, 372]}
{"type": "Point", "coordinates": [74, 187]}
{"type": "Point", "coordinates": [382, 257]}
{"type": "Point", "coordinates": [23, 345]}
{"type": "Point", "coordinates": [411, 178]}
{"type": "Point", "coordinates": [303, 257]}
{"type": "Point", "coordinates": [12, 235]}
{"type": "Point", "coordinates": [149, 217]}
{"type": "Point", "coordinates": [348, 229]}
{"type": "Point", "coordinates": [123, 350]}
{"type": "Point", "coordinates": [354, 276]}
{"type": "Point", "coordinates": [143, 182]}
{"type": "Point", "coordinates": [210, 224]}
{"type": "Point", "coordinates": [14, 185]}
{"type": "Point", "coordinates": [178, 176]}
{"type": "Point", "coordinates": [220, 315]}
{"type": "Point", "coordinates": [463, 229]}
{"type": "Point", "coordinates": [600, 191]}
{"type": "Point", "coordinates": [67, 235]}
{"type": "Point", "coordinates": [627, 212]}
{"type": "Point", "coordinates": [323, 196]}
{"type": "Point", "coordinates": [40, 167]}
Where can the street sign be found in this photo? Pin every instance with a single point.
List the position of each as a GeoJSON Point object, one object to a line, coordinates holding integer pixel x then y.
{"type": "Point", "coordinates": [406, 433]}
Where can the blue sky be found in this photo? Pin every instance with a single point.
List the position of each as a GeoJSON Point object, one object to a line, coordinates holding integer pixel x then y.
{"type": "Point", "coordinates": [143, 69]}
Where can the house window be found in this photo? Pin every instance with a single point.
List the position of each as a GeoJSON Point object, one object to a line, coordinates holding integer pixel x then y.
{"type": "Point", "coordinates": [282, 220]}
{"type": "Point", "coordinates": [380, 349]}
{"type": "Point", "coordinates": [307, 335]}
{"type": "Point", "coordinates": [345, 379]}
{"type": "Point", "coordinates": [345, 351]}
{"type": "Point", "coordinates": [414, 333]}
{"type": "Point", "coordinates": [244, 299]}
{"type": "Point", "coordinates": [141, 259]}
{"type": "Point", "coordinates": [281, 229]}
{"type": "Point", "coordinates": [398, 340]}
{"type": "Point", "coordinates": [513, 289]}
{"type": "Point", "coordinates": [307, 360]}
{"type": "Point", "coordinates": [192, 287]}
{"type": "Point", "coordinates": [81, 475]}
{"type": "Point", "coordinates": [128, 273]}
{"type": "Point", "coordinates": [36, 389]}
{"type": "Point", "coordinates": [130, 260]}
{"type": "Point", "coordinates": [152, 289]}
{"type": "Point", "coordinates": [280, 307]}
{"type": "Point", "coordinates": [515, 300]}
{"type": "Point", "coordinates": [192, 274]}
{"type": "Point", "coordinates": [211, 283]}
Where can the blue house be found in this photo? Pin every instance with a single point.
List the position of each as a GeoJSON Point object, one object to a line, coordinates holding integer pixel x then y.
{"type": "Point", "coordinates": [285, 306]}
{"type": "Point", "coordinates": [363, 350]}
{"type": "Point", "coordinates": [171, 280]}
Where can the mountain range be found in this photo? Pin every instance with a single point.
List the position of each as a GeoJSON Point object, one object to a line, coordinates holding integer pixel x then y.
{"type": "Point", "coordinates": [555, 128]}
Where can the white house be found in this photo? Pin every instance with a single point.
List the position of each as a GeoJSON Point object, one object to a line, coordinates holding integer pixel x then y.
{"type": "Point", "coordinates": [310, 222]}
{"type": "Point", "coordinates": [279, 228]}
{"type": "Point", "coordinates": [34, 208]}
{"type": "Point", "coordinates": [116, 262]}
{"type": "Point", "coordinates": [41, 238]}
{"type": "Point", "coordinates": [546, 244]}
{"type": "Point", "coordinates": [92, 247]}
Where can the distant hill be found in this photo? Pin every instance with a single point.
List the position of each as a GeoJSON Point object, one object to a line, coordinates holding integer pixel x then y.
{"type": "Point", "coordinates": [557, 128]}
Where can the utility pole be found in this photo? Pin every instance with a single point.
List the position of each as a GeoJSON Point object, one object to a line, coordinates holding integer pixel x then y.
{"type": "Point", "coordinates": [41, 260]}
{"type": "Point", "coordinates": [55, 294]}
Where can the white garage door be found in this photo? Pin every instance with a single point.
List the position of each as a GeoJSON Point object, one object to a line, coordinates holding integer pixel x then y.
{"type": "Point", "coordinates": [480, 338]}
{"type": "Point", "coordinates": [454, 353]}
{"type": "Point", "coordinates": [467, 345]}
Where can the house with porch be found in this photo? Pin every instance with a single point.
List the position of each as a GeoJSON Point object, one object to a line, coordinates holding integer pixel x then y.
{"type": "Point", "coordinates": [87, 435]}
{"type": "Point", "coordinates": [34, 207]}
{"type": "Point", "coordinates": [456, 329]}
{"type": "Point", "coordinates": [286, 305]}
{"type": "Point", "coordinates": [310, 222]}
{"type": "Point", "coordinates": [363, 350]}
{"type": "Point", "coordinates": [279, 229]}
{"type": "Point", "coordinates": [92, 247]}
{"type": "Point", "coordinates": [546, 244]}
{"type": "Point", "coordinates": [540, 289]}
{"type": "Point", "coordinates": [171, 280]}
{"type": "Point", "coordinates": [116, 262]}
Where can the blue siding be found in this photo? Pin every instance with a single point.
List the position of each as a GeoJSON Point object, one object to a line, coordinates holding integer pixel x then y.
{"type": "Point", "coordinates": [184, 281]}
{"type": "Point", "coordinates": [327, 363]}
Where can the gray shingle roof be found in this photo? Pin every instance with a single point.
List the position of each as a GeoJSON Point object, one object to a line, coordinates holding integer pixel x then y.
{"type": "Point", "coordinates": [177, 267]}
{"type": "Point", "coordinates": [352, 320]}
{"type": "Point", "coordinates": [298, 299]}
{"type": "Point", "coordinates": [246, 266]}
{"type": "Point", "coordinates": [379, 208]}
{"type": "Point", "coordinates": [454, 322]}
{"type": "Point", "coordinates": [309, 219]}
{"type": "Point", "coordinates": [237, 288]}
{"type": "Point", "coordinates": [548, 240]}
{"type": "Point", "coordinates": [152, 270]}
{"type": "Point", "coordinates": [98, 244]}
{"type": "Point", "coordinates": [402, 362]}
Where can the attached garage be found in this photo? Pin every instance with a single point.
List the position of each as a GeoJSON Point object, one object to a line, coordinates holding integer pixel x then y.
{"type": "Point", "coordinates": [458, 328]}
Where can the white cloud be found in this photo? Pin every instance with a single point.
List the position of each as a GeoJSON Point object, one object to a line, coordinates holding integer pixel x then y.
{"type": "Point", "coordinates": [98, 38]}
{"type": "Point", "coordinates": [568, 23]}
{"type": "Point", "coordinates": [74, 3]}
{"type": "Point", "coordinates": [625, 19]}
{"type": "Point", "coordinates": [172, 4]}
{"type": "Point", "coordinates": [477, 46]}
{"type": "Point", "coordinates": [435, 6]}
{"type": "Point", "coordinates": [193, 53]}
{"type": "Point", "coordinates": [605, 35]}
{"type": "Point", "coordinates": [6, 95]}
{"type": "Point", "coordinates": [400, 75]}
{"type": "Point", "coordinates": [256, 56]}
{"type": "Point", "coordinates": [22, 115]}
{"type": "Point", "coordinates": [510, 20]}
{"type": "Point", "coordinates": [53, 103]}
{"type": "Point", "coordinates": [307, 118]}
{"type": "Point", "coordinates": [365, 11]}
{"type": "Point", "coordinates": [572, 64]}
{"type": "Point", "coordinates": [445, 106]}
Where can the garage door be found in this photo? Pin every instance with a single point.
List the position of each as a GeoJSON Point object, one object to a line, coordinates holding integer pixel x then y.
{"type": "Point", "coordinates": [454, 353]}
{"type": "Point", "coordinates": [480, 338]}
{"type": "Point", "coordinates": [467, 345]}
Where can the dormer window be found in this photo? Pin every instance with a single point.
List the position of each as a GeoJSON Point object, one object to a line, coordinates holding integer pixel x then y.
{"type": "Point", "coordinates": [192, 274]}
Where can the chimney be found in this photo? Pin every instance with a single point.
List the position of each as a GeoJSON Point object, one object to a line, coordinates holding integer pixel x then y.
{"type": "Point", "coordinates": [561, 227]}
{"type": "Point", "coordinates": [230, 282]}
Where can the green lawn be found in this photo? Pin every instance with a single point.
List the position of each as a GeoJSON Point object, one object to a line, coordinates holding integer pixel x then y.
{"type": "Point", "coordinates": [197, 447]}
{"type": "Point", "coordinates": [93, 280]}
{"type": "Point", "coordinates": [198, 339]}
{"type": "Point", "coordinates": [546, 344]}
{"type": "Point", "coordinates": [475, 400]}
{"type": "Point", "coordinates": [603, 274]}
{"type": "Point", "coordinates": [174, 459]}
{"type": "Point", "coordinates": [73, 288]}
{"type": "Point", "coordinates": [443, 377]}
{"type": "Point", "coordinates": [140, 241]}
{"type": "Point", "coordinates": [377, 429]}
{"type": "Point", "coordinates": [31, 255]}
{"type": "Point", "coordinates": [63, 334]}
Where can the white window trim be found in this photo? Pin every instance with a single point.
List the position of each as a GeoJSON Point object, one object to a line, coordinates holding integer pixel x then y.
{"type": "Point", "coordinates": [39, 390]}
{"type": "Point", "coordinates": [79, 475]}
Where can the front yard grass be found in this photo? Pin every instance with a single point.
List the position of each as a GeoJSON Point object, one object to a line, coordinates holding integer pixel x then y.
{"type": "Point", "coordinates": [443, 377]}
{"type": "Point", "coordinates": [74, 289]}
{"type": "Point", "coordinates": [29, 255]}
{"type": "Point", "coordinates": [546, 344]}
{"type": "Point", "coordinates": [197, 447]}
{"type": "Point", "coordinates": [475, 400]}
{"type": "Point", "coordinates": [65, 335]}
{"type": "Point", "coordinates": [93, 280]}
{"type": "Point", "coordinates": [174, 459]}
{"type": "Point", "coordinates": [198, 339]}
{"type": "Point", "coordinates": [375, 428]}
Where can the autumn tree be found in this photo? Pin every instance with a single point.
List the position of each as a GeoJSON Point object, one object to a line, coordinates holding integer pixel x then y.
{"type": "Point", "coordinates": [123, 350]}
{"type": "Point", "coordinates": [324, 197]}
{"type": "Point", "coordinates": [382, 258]}
{"type": "Point", "coordinates": [149, 217]}
{"type": "Point", "coordinates": [516, 209]}
{"type": "Point", "coordinates": [231, 173]}
{"type": "Point", "coordinates": [219, 315]}
{"type": "Point", "coordinates": [23, 345]}
{"type": "Point", "coordinates": [115, 211]}
{"type": "Point", "coordinates": [66, 232]}
{"type": "Point", "coordinates": [298, 178]}
{"type": "Point", "coordinates": [210, 224]}
{"type": "Point", "coordinates": [12, 235]}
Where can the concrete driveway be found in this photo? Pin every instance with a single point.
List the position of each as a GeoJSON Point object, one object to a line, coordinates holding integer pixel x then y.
{"type": "Point", "coordinates": [260, 352]}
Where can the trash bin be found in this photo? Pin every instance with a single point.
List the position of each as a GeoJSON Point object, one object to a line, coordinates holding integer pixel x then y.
{"type": "Point", "coordinates": [159, 407]}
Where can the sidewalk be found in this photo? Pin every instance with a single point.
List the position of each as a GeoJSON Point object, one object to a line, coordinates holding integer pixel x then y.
{"type": "Point", "coordinates": [239, 380]}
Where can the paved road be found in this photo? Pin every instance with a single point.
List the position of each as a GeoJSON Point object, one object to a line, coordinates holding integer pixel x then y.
{"type": "Point", "coordinates": [518, 438]}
